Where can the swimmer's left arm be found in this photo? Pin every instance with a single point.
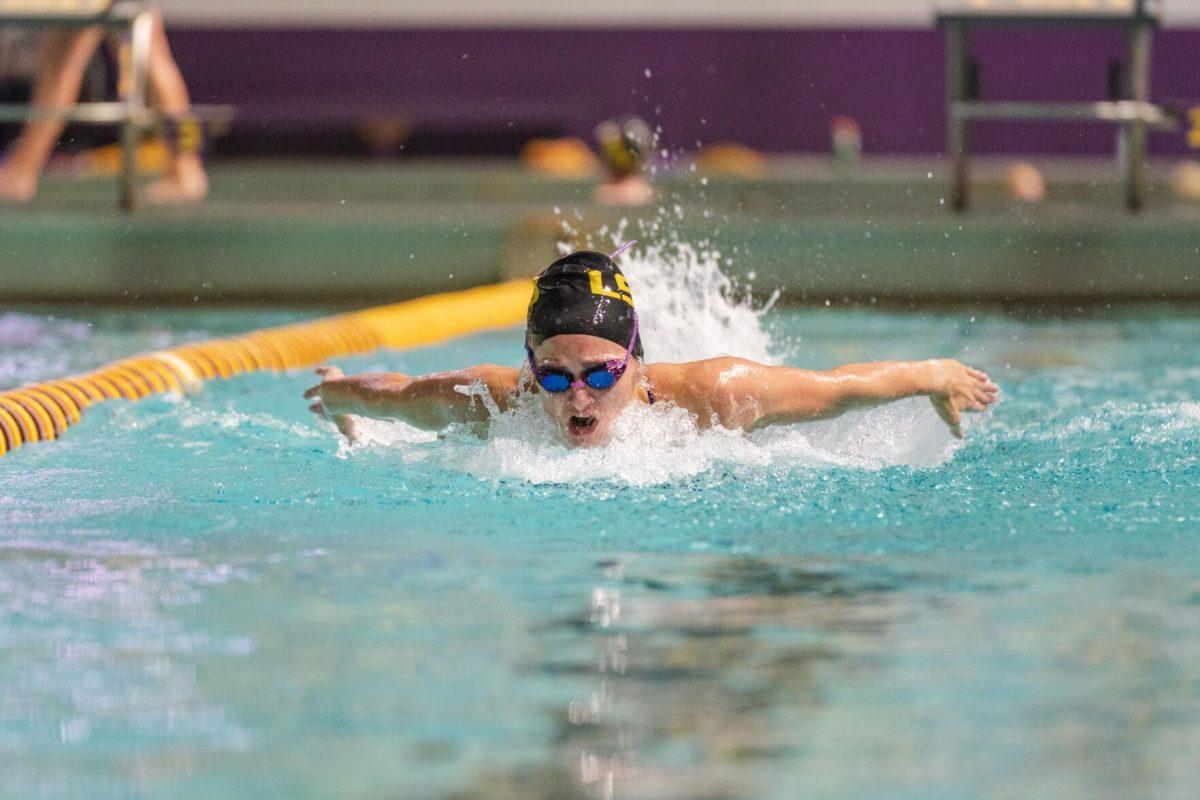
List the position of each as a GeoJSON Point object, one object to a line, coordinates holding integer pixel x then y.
{"type": "Point", "coordinates": [749, 395]}
{"type": "Point", "coordinates": [429, 402]}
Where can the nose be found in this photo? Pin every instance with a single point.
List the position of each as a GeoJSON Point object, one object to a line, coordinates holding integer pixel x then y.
{"type": "Point", "coordinates": [579, 397]}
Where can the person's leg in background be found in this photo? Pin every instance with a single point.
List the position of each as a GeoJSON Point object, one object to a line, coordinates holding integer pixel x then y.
{"type": "Point", "coordinates": [64, 57]}
{"type": "Point", "coordinates": [185, 180]}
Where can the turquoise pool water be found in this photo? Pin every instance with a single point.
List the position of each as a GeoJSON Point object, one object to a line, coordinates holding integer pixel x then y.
{"type": "Point", "coordinates": [210, 597]}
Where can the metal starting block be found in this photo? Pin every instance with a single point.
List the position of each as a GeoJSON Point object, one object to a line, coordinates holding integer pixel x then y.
{"type": "Point", "coordinates": [1130, 109]}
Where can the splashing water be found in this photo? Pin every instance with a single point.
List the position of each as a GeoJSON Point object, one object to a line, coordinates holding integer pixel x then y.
{"type": "Point", "coordinates": [661, 444]}
{"type": "Point", "coordinates": [689, 308]}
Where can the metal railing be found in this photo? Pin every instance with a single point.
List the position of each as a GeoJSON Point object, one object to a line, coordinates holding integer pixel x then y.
{"type": "Point", "coordinates": [1133, 111]}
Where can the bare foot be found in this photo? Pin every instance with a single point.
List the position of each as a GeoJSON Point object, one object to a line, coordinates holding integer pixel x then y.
{"type": "Point", "coordinates": [184, 183]}
{"type": "Point", "coordinates": [16, 187]}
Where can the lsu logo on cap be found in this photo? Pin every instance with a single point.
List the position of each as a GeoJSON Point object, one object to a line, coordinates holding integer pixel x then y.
{"type": "Point", "coordinates": [596, 281]}
{"type": "Point", "coordinates": [596, 284]}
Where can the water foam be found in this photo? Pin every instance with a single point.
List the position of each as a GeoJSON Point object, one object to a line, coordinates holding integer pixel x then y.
{"type": "Point", "coordinates": [1165, 423]}
{"type": "Point", "coordinates": [650, 445]}
{"type": "Point", "coordinates": [661, 444]}
{"type": "Point", "coordinates": [689, 309]}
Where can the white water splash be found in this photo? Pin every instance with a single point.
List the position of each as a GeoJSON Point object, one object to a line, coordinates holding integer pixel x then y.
{"type": "Point", "coordinates": [1167, 422]}
{"type": "Point", "coordinates": [689, 309]}
{"type": "Point", "coordinates": [650, 445]}
{"type": "Point", "coordinates": [375, 433]}
{"type": "Point", "coordinates": [661, 444]}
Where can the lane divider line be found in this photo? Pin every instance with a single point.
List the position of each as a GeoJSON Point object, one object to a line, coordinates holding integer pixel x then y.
{"type": "Point", "coordinates": [44, 411]}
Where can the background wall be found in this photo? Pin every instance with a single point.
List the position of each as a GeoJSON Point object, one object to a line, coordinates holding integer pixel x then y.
{"type": "Point", "coordinates": [572, 13]}
{"type": "Point", "coordinates": [483, 77]}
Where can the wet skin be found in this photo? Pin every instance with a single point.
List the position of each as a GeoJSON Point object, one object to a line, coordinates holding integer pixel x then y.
{"type": "Point", "coordinates": [583, 416]}
{"type": "Point", "coordinates": [731, 392]}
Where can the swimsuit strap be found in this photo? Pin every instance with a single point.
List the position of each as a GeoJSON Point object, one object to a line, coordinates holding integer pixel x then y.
{"type": "Point", "coordinates": [650, 395]}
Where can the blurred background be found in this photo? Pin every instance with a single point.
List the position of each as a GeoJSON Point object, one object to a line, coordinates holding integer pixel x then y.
{"type": "Point", "coordinates": [482, 78]}
{"type": "Point", "coordinates": [387, 147]}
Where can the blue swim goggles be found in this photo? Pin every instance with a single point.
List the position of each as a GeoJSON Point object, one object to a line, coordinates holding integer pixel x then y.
{"type": "Point", "coordinates": [602, 376]}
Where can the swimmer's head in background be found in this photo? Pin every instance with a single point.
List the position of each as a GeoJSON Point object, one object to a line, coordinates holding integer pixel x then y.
{"type": "Point", "coordinates": [586, 293]}
{"type": "Point", "coordinates": [623, 145]}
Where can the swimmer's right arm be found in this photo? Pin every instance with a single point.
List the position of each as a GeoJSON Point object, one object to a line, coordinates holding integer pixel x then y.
{"type": "Point", "coordinates": [429, 402]}
{"type": "Point", "coordinates": [738, 393]}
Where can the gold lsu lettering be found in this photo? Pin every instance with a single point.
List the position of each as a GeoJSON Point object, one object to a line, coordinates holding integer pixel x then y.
{"type": "Point", "coordinates": [596, 278]}
{"type": "Point", "coordinates": [596, 283]}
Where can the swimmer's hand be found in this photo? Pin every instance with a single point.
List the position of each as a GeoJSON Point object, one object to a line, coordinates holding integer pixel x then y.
{"type": "Point", "coordinates": [956, 388]}
{"type": "Point", "coordinates": [330, 400]}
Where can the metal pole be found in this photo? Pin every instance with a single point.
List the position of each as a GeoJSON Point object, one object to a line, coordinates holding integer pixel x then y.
{"type": "Point", "coordinates": [136, 66]}
{"type": "Point", "coordinates": [1134, 132]}
{"type": "Point", "coordinates": [956, 125]}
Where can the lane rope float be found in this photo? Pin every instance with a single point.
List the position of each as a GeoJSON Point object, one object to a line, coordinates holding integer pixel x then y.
{"type": "Point", "coordinates": [44, 410]}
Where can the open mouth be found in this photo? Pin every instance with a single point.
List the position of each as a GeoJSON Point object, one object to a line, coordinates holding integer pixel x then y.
{"type": "Point", "coordinates": [581, 425]}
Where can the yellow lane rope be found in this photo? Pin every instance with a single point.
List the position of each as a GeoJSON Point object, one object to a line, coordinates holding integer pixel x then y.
{"type": "Point", "coordinates": [43, 411]}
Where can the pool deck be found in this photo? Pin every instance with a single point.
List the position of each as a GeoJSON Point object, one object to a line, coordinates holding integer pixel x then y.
{"type": "Point", "coordinates": [345, 234]}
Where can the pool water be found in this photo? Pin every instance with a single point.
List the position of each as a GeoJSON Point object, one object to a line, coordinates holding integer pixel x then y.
{"type": "Point", "coordinates": [212, 596]}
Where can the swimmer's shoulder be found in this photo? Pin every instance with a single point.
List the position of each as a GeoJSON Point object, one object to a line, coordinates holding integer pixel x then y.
{"type": "Point", "coordinates": [502, 382]}
{"type": "Point", "coordinates": [497, 375]}
{"type": "Point", "coordinates": [693, 385]}
{"type": "Point", "coordinates": [665, 379]}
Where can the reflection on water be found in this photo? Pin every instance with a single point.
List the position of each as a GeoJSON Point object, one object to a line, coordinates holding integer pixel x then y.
{"type": "Point", "coordinates": [749, 678]}
{"type": "Point", "coordinates": [688, 668]}
{"type": "Point", "coordinates": [93, 658]}
{"type": "Point", "coordinates": [706, 662]}
{"type": "Point", "coordinates": [409, 672]}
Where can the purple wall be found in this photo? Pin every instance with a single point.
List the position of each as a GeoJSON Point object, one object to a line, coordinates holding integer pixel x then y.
{"type": "Point", "coordinates": [771, 89]}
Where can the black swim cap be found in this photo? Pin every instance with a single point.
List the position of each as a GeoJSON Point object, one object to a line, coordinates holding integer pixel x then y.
{"type": "Point", "coordinates": [584, 292]}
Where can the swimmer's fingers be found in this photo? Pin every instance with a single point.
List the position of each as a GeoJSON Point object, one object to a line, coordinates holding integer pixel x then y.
{"type": "Point", "coordinates": [326, 374]}
{"type": "Point", "coordinates": [975, 401]}
{"type": "Point", "coordinates": [986, 393]}
{"type": "Point", "coordinates": [346, 426]}
{"type": "Point", "coordinates": [984, 399]}
{"type": "Point", "coordinates": [329, 373]}
{"type": "Point", "coordinates": [343, 422]}
{"type": "Point", "coordinates": [980, 380]}
{"type": "Point", "coordinates": [949, 414]}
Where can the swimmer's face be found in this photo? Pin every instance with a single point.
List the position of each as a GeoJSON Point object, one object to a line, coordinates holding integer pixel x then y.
{"type": "Point", "coordinates": [583, 416]}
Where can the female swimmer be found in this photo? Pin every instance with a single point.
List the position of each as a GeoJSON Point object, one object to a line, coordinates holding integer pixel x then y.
{"type": "Point", "coordinates": [584, 362]}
